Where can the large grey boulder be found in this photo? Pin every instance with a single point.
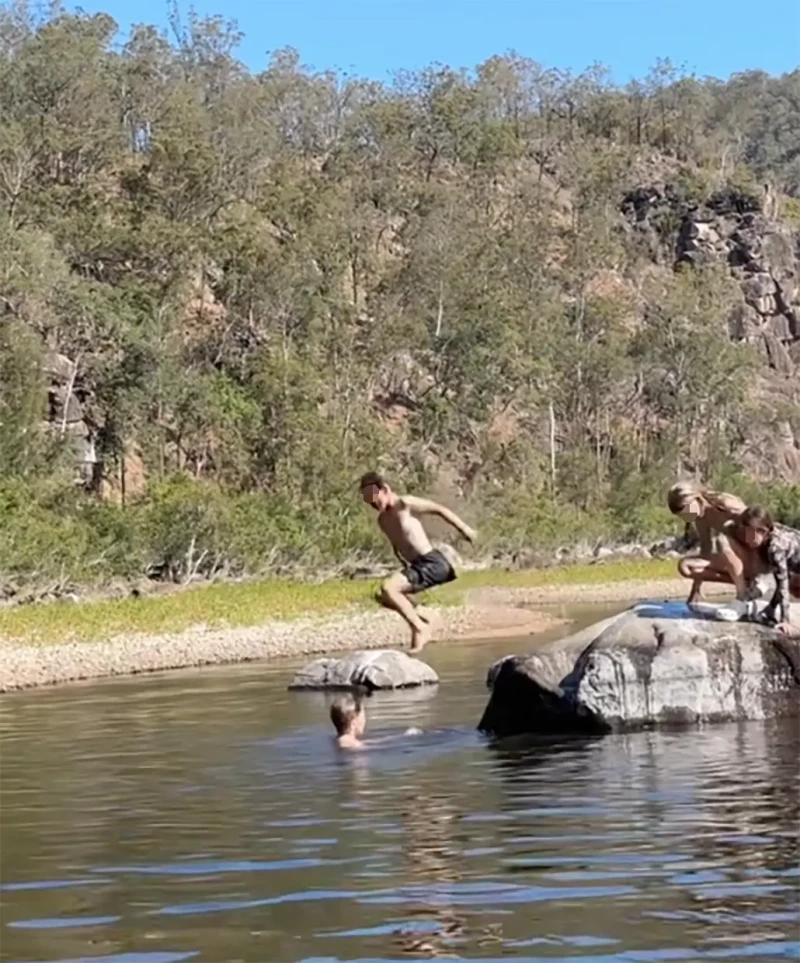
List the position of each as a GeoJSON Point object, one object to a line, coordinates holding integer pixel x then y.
{"type": "Point", "coordinates": [378, 669]}
{"type": "Point", "coordinates": [655, 664]}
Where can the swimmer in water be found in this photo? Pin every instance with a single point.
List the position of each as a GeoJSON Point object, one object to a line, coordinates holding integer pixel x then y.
{"type": "Point", "coordinates": [423, 567]}
{"type": "Point", "coordinates": [349, 718]}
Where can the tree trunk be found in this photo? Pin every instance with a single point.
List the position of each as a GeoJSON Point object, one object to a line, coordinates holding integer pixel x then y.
{"type": "Point", "coordinates": [68, 398]}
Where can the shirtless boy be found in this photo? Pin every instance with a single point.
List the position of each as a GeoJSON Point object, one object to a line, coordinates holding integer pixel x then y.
{"type": "Point", "coordinates": [423, 567]}
{"type": "Point", "coordinates": [350, 722]}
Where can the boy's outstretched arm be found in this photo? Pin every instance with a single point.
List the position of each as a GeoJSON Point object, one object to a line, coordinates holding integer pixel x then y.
{"type": "Point", "coordinates": [391, 737]}
{"type": "Point", "coordinates": [424, 506]}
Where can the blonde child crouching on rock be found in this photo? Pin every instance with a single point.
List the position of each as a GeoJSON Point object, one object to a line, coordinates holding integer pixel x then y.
{"type": "Point", "coordinates": [712, 514]}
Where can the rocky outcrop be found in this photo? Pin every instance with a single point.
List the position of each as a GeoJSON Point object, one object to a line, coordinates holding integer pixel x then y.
{"type": "Point", "coordinates": [382, 669]}
{"type": "Point", "coordinates": [742, 229]}
{"type": "Point", "coordinates": [656, 664]}
{"type": "Point", "coordinates": [739, 228]}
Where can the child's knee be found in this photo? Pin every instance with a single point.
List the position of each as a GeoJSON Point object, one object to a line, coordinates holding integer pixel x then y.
{"type": "Point", "coordinates": [685, 568]}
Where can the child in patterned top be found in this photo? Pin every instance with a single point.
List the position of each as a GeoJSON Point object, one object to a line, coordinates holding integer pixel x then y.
{"type": "Point", "coordinates": [779, 546]}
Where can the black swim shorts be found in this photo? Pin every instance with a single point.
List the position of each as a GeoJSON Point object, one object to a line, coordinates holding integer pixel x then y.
{"type": "Point", "coordinates": [429, 570]}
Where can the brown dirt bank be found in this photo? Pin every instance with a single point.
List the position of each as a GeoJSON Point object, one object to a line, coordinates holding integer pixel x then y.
{"type": "Point", "coordinates": [488, 612]}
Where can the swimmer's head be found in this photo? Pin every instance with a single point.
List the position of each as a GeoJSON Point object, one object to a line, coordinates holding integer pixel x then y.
{"type": "Point", "coordinates": [348, 716]}
{"type": "Point", "coordinates": [375, 491]}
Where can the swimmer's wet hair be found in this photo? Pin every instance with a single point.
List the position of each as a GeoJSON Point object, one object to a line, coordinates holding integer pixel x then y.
{"type": "Point", "coordinates": [372, 478]}
{"type": "Point", "coordinates": [344, 711]}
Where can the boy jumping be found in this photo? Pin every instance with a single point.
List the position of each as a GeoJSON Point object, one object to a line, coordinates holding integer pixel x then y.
{"type": "Point", "coordinates": [423, 567]}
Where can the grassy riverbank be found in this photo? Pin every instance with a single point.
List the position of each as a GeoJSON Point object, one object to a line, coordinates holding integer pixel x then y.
{"type": "Point", "coordinates": [230, 605]}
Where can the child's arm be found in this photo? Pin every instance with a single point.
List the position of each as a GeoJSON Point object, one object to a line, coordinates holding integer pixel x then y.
{"type": "Point", "coordinates": [703, 533]}
{"type": "Point", "coordinates": [391, 737]}
{"type": "Point", "coordinates": [778, 608]}
{"type": "Point", "coordinates": [734, 566]}
{"type": "Point", "coordinates": [424, 506]}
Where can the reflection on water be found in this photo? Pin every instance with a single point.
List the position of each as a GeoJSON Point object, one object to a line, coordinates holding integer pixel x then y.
{"type": "Point", "coordinates": [208, 817]}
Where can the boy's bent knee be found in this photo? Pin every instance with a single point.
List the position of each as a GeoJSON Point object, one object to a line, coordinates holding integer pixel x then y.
{"type": "Point", "coordinates": [389, 589]}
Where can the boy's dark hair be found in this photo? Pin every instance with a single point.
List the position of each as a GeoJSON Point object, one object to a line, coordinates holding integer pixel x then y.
{"type": "Point", "coordinates": [757, 517]}
{"type": "Point", "coordinates": [372, 478]}
{"type": "Point", "coordinates": [343, 712]}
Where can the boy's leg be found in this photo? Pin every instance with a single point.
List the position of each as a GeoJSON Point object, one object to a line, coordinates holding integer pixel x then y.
{"type": "Point", "coordinates": [415, 602]}
{"type": "Point", "coordinates": [418, 608]}
{"type": "Point", "coordinates": [428, 572]}
{"type": "Point", "coordinates": [394, 595]}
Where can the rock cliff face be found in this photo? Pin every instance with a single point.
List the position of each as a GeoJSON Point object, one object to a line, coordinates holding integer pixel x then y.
{"type": "Point", "coordinates": [739, 229]}
{"type": "Point", "coordinates": [743, 230]}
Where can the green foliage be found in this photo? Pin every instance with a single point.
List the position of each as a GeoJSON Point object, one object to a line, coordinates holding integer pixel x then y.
{"type": "Point", "coordinates": [253, 603]}
{"type": "Point", "coordinates": [268, 283]}
{"type": "Point", "coordinates": [183, 529]}
{"type": "Point", "coordinates": [522, 519]}
{"type": "Point", "coordinates": [694, 185]}
{"type": "Point", "coordinates": [53, 536]}
{"type": "Point", "coordinates": [22, 399]}
{"type": "Point", "coordinates": [790, 212]}
{"type": "Point", "coordinates": [784, 501]}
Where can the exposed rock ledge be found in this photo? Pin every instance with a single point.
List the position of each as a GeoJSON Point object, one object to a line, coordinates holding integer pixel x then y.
{"type": "Point", "coordinates": [656, 664]}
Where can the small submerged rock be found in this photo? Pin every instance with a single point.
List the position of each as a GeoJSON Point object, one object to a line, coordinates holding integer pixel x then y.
{"type": "Point", "coordinates": [379, 669]}
{"type": "Point", "coordinates": [655, 664]}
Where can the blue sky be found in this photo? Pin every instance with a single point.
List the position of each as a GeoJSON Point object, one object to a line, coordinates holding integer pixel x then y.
{"type": "Point", "coordinates": [372, 38]}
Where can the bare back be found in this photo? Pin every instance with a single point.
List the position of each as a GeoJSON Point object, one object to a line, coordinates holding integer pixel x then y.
{"type": "Point", "coordinates": [715, 519]}
{"type": "Point", "coordinates": [406, 533]}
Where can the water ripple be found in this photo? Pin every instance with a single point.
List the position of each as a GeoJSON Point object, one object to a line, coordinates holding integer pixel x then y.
{"type": "Point", "coordinates": [208, 817]}
{"type": "Point", "coordinates": [63, 922]}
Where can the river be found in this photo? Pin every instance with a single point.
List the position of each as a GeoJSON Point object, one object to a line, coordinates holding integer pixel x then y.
{"type": "Point", "coordinates": [207, 816]}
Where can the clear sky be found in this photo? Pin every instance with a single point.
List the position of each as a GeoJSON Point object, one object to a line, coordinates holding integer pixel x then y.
{"type": "Point", "coordinates": [373, 38]}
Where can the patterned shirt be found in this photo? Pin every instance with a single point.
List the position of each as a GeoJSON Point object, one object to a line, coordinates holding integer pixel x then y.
{"type": "Point", "coordinates": [783, 555]}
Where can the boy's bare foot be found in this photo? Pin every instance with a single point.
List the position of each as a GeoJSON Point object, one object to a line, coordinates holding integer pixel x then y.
{"type": "Point", "coordinates": [420, 638]}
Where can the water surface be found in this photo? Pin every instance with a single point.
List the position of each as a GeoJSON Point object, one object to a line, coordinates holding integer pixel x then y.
{"type": "Point", "coordinates": [207, 816]}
